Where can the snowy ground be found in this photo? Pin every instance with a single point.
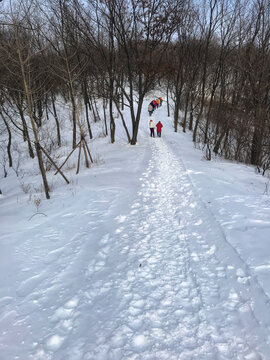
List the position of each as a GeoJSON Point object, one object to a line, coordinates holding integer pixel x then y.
{"type": "Point", "coordinates": [154, 254]}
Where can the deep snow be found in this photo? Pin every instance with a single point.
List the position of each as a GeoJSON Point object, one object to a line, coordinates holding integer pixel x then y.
{"type": "Point", "coordinates": [154, 253]}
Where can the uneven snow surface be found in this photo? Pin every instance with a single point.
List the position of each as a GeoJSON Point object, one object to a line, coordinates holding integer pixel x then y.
{"type": "Point", "coordinates": [163, 283]}
{"type": "Point", "coordinates": [141, 258]}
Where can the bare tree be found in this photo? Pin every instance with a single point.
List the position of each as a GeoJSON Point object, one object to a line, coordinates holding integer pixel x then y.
{"type": "Point", "coordinates": [209, 22]}
{"type": "Point", "coordinates": [228, 16]}
{"type": "Point", "coordinates": [137, 35]}
{"type": "Point", "coordinates": [21, 32]}
{"type": "Point", "coordinates": [183, 65]}
{"type": "Point", "coordinates": [97, 31]}
{"type": "Point", "coordinates": [257, 62]}
{"type": "Point", "coordinates": [63, 54]}
{"type": "Point", "coordinates": [9, 139]}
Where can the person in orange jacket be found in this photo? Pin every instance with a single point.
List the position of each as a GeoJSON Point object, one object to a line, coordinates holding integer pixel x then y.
{"type": "Point", "coordinates": [159, 126]}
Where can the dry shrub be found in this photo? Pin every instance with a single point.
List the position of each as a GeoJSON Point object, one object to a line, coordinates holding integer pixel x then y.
{"type": "Point", "coordinates": [26, 188]}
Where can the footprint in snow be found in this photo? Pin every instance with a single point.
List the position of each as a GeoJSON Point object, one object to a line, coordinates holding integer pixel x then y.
{"type": "Point", "coordinates": [54, 342]}
{"type": "Point", "coordinates": [121, 218]}
{"type": "Point", "coordinates": [136, 205]}
{"type": "Point", "coordinates": [105, 239]}
{"type": "Point", "coordinates": [66, 313]}
{"type": "Point", "coordinates": [64, 317]}
{"type": "Point", "coordinates": [103, 253]}
{"type": "Point", "coordinates": [140, 343]}
{"type": "Point", "coordinates": [241, 276]}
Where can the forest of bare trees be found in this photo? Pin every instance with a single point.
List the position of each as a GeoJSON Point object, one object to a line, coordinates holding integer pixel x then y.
{"type": "Point", "coordinates": [211, 57]}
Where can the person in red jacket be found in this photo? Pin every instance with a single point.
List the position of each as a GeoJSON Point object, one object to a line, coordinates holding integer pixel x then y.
{"type": "Point", "coordinates": [159, 127]}
{"type": "Point", "coordinates": [153, 102]}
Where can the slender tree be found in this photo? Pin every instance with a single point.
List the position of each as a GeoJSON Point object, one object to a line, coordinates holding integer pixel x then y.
{"type": "Point", "coordinates": [21, 32]}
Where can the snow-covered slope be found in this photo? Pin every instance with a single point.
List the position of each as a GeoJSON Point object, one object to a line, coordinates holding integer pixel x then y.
{"type": "Point", "coordinates": [155, 253]}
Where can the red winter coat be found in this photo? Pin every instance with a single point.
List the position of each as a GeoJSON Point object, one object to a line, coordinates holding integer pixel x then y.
{"type": "Point", "coordinates": [154, 103]}
{"type": "Point", "coordinates": [159, 126]}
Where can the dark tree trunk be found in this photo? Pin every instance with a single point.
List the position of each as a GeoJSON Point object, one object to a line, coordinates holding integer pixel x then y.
{"type": "Point", "coordinates": [42, 170]}
{"type": "Point", "coordinates": [9, 142]}
{"type": "Point", "coordinates": [256, 147]}
{"type": "Point", "coordinates": [135, 128]}
{"type": "Point", "coordinates": [26, 134]}
{"type": "Point", "coordinates": [168, 105]}
{"type": "Point", "coordinates": [176, 114]}
{"type": "Point", "coordinates": [112, 123]}
{"type": "Point", "coordinates": [56, 121]}
{"type": "Point", "coordinates": [186, 111]}
{"type": "Point", "coordinates": [105, 118]}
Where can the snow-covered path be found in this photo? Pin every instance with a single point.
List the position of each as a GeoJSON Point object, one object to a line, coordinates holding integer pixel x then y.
{"type": "Point", "coordinates": [164, 284]}
{"type": "Point", "coordinates": [175, 301]}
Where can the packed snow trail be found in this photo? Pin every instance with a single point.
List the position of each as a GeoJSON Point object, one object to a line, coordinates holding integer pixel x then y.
{"type": "Point", "coordinates": [163, 285]}
{"type": "Point", "coordinates": [160, 288]}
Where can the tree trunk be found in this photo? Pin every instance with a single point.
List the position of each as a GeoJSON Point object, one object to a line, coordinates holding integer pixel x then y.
{"type": "Point", "coordinates": [176, 114]}
{"type": "Point", "coordinates": [190, 126]}
{"type": "Point", "coordinates": [9, 142]}
{"type": "Point", "coordinates": [256, 147]}
{"type": "Point", "coordinates": [112, 123]}
{"type": "Point", "coordinates": [105, 118]}
{"type": "Point", "coordinates": [42, 170]}
{"type": "Point", "coordinates": [56, 120]}
{"type": "Point", "coordinates": [28, 97]}
{"type": "Point", "coordinates": [186, 111]}
{"type": "Point", "coordinates": [123, 121]}
{"type": "Point", "coordinates": [88, 121]}
{"type": "Point", "coordinates": [135, 128]}
{"type": "Point", "coordinates": [74, 112]}
{"type": "Point", "coordinates": [26, 134]}
{"type": "Point", "coordinates": [217, 145]}
{"type": "Point", "coordinates": [39, 112]}
{"type": "Point", "coordinates": [136, 121]}
{"type": "Point", "coordinates": [91, 106]}
{"type": "Point", "coordinates": [168, 106]}
{"type": "Point", "coordinates": [86, 101]}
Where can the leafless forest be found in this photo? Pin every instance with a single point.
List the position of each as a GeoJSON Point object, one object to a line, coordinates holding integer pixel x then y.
{"type": "Point", "coordinates": [211, 58]}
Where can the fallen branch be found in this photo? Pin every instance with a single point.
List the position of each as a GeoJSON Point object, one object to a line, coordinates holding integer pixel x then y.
{"type": "Point", "coordinates": [38, 213]}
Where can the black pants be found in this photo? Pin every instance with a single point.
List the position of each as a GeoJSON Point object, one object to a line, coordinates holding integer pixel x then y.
{"type": "Point", "coordinates": [152, 132]}
{"type": "Point", "coordinates": [159, 134]}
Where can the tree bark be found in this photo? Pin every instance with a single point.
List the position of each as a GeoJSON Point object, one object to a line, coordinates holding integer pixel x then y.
{"type": "Point", "coordinates": [56, 120]}
{"type": "Point", "coordinates": [9, 142]}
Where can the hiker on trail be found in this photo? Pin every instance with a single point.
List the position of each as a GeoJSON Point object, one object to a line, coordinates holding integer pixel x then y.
{"type": "Point", "coordinates": [154, 104]}
{"type": "Point", "coordinates": [157, 101]}
{"type": "Point", "coordinates": [152, 128]}
{"type": "Point", "coordinates": [159, 127]}
{"type": "Point", "coordinates": [160, 101]}
{"type": "Point", "coordinates": [150, 109]}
